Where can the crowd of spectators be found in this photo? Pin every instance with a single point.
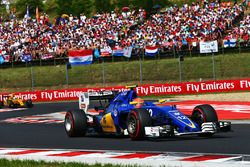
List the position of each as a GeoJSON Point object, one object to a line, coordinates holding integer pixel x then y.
{"type": "Point", "coordinates": [176, 26]}
{"type": "Point", "coordinates": [241, 32]}
{"type": "Point", "coordinates": [189, 24]}
{"type": "Point", "coordinates": [39, 37]}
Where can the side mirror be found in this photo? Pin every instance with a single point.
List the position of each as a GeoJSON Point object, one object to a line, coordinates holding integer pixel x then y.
{"type": "Point", "coordinates": [162, 100]}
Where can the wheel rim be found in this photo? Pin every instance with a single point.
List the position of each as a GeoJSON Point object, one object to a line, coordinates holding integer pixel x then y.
{"type": "Point", "coordinates": [132, 125]}
{"type": "Point", "coordinates": [68, 124]}
{"type": "Point", "coordinates": [198, 118]}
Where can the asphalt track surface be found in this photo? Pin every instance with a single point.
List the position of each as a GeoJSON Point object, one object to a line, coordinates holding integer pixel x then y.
{"type": "Point", "coordinates": [53, 136]}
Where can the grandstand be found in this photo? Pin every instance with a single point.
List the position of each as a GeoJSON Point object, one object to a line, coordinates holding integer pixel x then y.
{"type": "Point", "coordinates": [174, 31]}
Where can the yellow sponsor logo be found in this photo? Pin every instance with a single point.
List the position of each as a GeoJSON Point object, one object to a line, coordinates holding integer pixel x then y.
{"type": "Point", "coordinates": [107, 123]}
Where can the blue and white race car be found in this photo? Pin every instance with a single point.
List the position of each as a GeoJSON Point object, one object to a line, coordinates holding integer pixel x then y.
{"type": "Point", "coordinates": [124, 113]}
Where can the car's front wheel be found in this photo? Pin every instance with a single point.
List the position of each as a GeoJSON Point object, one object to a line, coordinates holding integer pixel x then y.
{"type": "Point", "coordinates": [29, 103]}
{"type": "Point", "coordinates": [137, 120]}
{"type": "Point", "coordinates": [75, 123]}
{"type": "Point", "coordinates": [204, 113]}
{"type": "Point", "coordinates": [11, 104]}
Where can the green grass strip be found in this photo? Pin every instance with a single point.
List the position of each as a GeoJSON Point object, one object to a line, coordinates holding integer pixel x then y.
{"type": "Point", "coordinates": [30, 163]}
{"type": "Point", "coordinates": [228, 66]}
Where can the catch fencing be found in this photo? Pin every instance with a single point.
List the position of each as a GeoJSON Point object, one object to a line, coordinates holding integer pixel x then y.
{"type": "Point", "coordinates": [137, 69]}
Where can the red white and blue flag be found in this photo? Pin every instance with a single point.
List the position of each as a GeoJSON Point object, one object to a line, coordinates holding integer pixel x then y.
{"type": "Point", "coordinates": [80, 57]}
{"type": "Point", "coordinates": [118, 51]}
{"type": "Point", "coordinates": [151, 50]}
{"type": "Point", "coordinates": [47, 56]}
{"type": "Point", "coordinates": [106, 51]}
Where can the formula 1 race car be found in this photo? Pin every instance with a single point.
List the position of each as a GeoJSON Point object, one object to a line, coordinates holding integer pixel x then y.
{"type": "Point", "coordinates": [124, 113]}
{"type": "Point", "coordinates": [12, 102]}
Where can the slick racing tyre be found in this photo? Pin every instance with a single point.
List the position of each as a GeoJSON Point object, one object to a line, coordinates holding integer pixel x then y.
{"type": "Point", "coordinates": [75, 123]}
{"type": "Point", "coordinates": [11, 104]}
{"type": "Point", "coordinates": [204, 113]}
{"type": "Point", "coordinates": [28, 104]}
{"type": "Point", "coordinates": [1, 104]}
{"type": "Point", "coordinates": [137, 120]}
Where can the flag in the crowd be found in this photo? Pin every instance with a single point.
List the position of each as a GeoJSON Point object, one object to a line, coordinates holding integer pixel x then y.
{"type": "Point", "coordinates": [27, 15]}
{"type": "Point", "coordinates": [1, 59]}
{"type": "Point", "coordinates": [106, 51]}
{"type": "Point", "coordinates": [80, 57]}
{"type": "Point", "coordinates": [127, 51]}
{"type": "Point", "coordinates": [26, 57]}
{"type": "Point", "coordinates": [97, 53]}
{"type": "Point", "coordinates": [6, 58]}
{"type": "Point", "coordinates": [118, 51]}
{"type": "Point", "coordinates": [151, 50]}
{"type": "Point", "coordinates": [46, 56]}
{"type": "Point", "coordinates": [230, 43]}
{"type": "Point", "coordinates": [37, 14]}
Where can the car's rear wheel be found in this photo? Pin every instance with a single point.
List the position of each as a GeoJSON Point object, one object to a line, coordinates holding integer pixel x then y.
{"type": "Point", "coordinates": [204, 113]}
{"type": "Point", "coordinates": [29, 103]}
{"type": "Point", "coordinates": [137, 120]}
{"type": "Point", "coordinates": [75, 123]}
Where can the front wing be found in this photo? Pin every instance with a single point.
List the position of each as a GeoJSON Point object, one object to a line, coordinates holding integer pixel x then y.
{"type": "Point", "coordinates": [206, 128]}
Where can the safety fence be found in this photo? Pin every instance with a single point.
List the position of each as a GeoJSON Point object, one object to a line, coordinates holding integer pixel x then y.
{"type": "Point", "coordinates": [188, 50]}
{"type": "Point", "coordinates": [128, 72]}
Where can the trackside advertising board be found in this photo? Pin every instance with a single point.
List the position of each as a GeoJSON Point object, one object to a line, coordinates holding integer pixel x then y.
{"type": "Point", "coordinates": [209, 47]}
{"type": "Point", "coordinates": [142, 90]}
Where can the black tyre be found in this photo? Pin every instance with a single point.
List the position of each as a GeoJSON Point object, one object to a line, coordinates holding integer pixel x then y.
{"type": "Point", "coordinates": [1, 104]}
{"type": "Point", "coordinates": [11, 104]}
{"type": "Point", "coordinates": [204, 113]}
{"type": "Point", "coordinates": [137, 120]}
{"type": "Point", "coordinates": [29, 103]}
{"type": "Point", "coordinates": [75, 123]}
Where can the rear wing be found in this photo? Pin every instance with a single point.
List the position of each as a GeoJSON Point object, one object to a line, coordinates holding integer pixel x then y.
{"type": "Point", "coordinates": [102, 95]}
{"type": "Point", "coordinates": [86, 97]}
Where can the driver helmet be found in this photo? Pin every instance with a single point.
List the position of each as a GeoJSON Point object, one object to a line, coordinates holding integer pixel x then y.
{"type": "Point", "coordinates": [139, 102]}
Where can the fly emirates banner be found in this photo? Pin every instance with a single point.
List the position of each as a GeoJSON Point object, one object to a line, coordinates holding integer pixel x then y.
{"type": "Point", "coordinates": [142, 90]}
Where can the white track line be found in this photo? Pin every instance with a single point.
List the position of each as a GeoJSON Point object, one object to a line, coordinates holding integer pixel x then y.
{"type": "Point", "coordinates": [125, 158]}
